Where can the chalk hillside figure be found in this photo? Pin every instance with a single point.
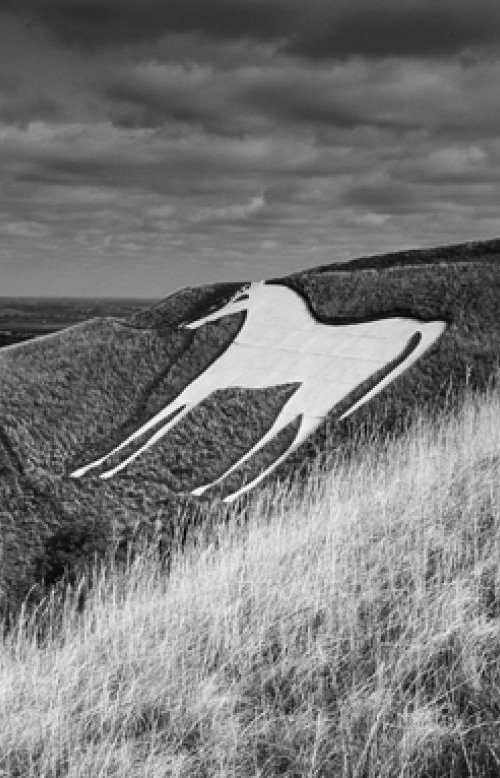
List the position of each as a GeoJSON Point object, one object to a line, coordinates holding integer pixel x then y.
{"type": "Point", "coordinates": [280, 342]}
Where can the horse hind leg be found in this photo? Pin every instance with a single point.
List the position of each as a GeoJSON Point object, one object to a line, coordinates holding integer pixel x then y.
{"type": "Point", "coordinates": [283, 419]}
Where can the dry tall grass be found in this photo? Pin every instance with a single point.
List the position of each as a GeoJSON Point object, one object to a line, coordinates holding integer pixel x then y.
{"type": "Point", "coordinates": [355, 633]}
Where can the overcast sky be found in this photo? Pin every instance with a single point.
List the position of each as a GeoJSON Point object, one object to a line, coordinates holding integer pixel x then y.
{"type": "Point", "coordinates": [150, 144]}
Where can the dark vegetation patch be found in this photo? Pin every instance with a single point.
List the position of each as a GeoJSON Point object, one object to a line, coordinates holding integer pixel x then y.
{"type": "Point", "coordinates": [71, 399]}
{"type": "Point", "coordinates": [54, 529]}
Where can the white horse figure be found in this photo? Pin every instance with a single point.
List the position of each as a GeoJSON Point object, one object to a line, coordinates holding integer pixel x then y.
{"type": "Point", "coordinates": [280, 342]}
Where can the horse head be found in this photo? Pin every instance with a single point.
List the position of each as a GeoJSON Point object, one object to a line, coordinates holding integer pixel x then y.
{"type": "Point", "coordinates": [240, 301]}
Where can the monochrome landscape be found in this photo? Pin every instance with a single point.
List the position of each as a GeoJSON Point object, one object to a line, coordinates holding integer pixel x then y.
{"type": "Point", "coordinates": [166, 449]}
{"type": "Point", "coordinates": [249, 389]}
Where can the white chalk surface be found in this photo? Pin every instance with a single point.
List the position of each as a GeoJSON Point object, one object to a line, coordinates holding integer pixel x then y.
{"type": "Point", "coordinates": [279, 343]}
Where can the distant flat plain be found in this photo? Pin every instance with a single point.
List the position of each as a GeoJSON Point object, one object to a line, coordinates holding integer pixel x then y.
{"type": "Point", "coordinates": [23, 318]}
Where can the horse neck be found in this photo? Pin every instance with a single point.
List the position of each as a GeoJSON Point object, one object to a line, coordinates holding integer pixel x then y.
{"type": "Point", "coordinates": [286, 315]}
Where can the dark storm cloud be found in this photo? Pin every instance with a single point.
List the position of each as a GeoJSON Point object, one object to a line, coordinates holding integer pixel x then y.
{"type": "Point", "coordinates": [240, 138]}
{"type": "Point", "coordinates": [283, 95]}
{"type": "Point", "coordinates": [153, 94]}
{"type": "Point", "coordinates": [316, 29]}
{"type": "Point", "coordinates": [98, 22]}
{"type": "Point", "coordinates": [403, 28]}
{"type": "Point", "coordinates": [382, 196]}
{"type": "Point", "coordinates": [229, 102]}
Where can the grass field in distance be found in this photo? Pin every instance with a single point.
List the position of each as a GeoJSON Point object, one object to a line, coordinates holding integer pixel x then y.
{"type": "Point", "coordinates": [23, 318]}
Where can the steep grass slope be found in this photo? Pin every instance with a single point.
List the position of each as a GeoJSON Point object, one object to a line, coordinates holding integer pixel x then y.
{"type": "Point", "coordinates": [66, 401]}
{"type": "Point", "coordinates": [354, 632]}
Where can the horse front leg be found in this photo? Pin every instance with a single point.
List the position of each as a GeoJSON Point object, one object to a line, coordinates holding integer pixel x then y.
{"type": "Point", "coordinates": [307, 425]}
{"type": "Point", "coordinates": [285, 416]}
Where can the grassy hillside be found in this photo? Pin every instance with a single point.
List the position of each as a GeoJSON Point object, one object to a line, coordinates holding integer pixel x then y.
{"type": "Point", "coordinates": [350, 630]}
{"type": "Point", "coordinates": [66, 401]}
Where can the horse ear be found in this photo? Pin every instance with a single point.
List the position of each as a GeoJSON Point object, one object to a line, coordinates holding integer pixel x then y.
{"type": "Point", "coordinates": [237, 303]}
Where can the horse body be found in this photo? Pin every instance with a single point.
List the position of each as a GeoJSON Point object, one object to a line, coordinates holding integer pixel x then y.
{"type": "Point", "coordinates": [281, 343]}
